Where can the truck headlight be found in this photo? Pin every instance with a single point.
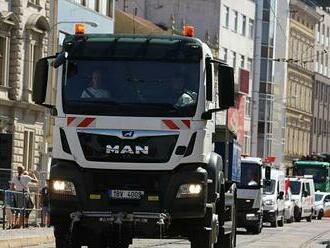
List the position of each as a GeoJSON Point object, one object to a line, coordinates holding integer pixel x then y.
{"type": "Point", "coordinates": [189, 190]}
{"type": "Point", "coordinates": [64, 187]}
{"type": "Point", "coordinates": [269, 202]}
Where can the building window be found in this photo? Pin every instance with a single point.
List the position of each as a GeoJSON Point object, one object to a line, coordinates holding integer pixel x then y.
{"type": "Point", "coordinates": [37, 2]}
{"type": "Point", "coordinates": [318, 33]}
{"type": "Point", "coordinates": [323, 34]}
{"type": "Point", "coordinates": [225, 16]}
{"type": "Point", "coordinates": [327, 38]}
{"type": "Point", "coordinates": [232, 59]}
{"type": "Point", "coordinates": [235, 21]}
{"type": "Point", "coordinates": [34, 55]}
{"type": "Point", "coordinates": [224, 54]}
{"type": "Point", "coordinates": [243, 27]}
{"type": "Point", "coordinates": [247, 108]}
{"type": "Point", "coordinates": [251, 29]}
{"type": "Point", "coordinates": [28, 150]}
{"type": "Point", "coordinates": [242, 61]}
{"type": "Point", "coordinates": [4, 60]}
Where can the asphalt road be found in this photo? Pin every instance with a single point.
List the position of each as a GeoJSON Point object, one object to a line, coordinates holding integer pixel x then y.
{"type": "Point", "coordinates": [295, 235]}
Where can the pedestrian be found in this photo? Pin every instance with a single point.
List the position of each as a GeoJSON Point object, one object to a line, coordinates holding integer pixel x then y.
{"type": "Point", "coordinates": [44, 205]}
{"type": "Point", "coordinates": [10, 206]}
{"type": "Point", "coordinates": [23, 199]}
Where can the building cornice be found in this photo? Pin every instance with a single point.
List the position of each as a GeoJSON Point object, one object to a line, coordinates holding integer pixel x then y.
{"type": "Point", "coordinates": [305, 9]}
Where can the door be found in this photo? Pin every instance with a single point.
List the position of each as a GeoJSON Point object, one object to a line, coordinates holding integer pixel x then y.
{"type": "Point", "coordinates": [5, 159]}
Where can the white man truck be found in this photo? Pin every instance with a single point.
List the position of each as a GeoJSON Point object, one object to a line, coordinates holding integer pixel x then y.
{"type": "Point", "coordinates": [133, 152]}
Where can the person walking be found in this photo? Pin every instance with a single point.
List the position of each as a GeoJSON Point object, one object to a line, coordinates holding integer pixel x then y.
{"type": "Point", "coordinates": [23, 200]}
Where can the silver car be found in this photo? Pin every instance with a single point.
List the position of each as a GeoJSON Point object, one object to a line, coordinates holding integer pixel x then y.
{"type": "Point", "coordinates": [322, 204]}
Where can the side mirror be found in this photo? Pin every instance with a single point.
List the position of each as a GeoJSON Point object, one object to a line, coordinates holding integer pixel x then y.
{"type": "Point", "coordinates": [226, 86]}
{"type": "Point", "coordinates": [40, 81]}
{"type": "Point", "coordinates": [281, 195]}
{"type": "Point", "coordinates": [267, 173]}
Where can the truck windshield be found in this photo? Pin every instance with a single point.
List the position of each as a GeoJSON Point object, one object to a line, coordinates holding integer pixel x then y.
{"type": "Point", "coordinates": [295, 187]}
{"type": "Point", "coordinates": [319, 173]}
{"type": "Point", "coordinates": [131, 88]}
{"type": "Point", "coordinates": [269, 186]}
{"type": "Point", "coordinates": [250, 175]}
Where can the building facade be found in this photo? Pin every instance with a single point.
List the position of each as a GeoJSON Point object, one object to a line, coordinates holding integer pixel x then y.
{"type": "Point", "coordinates": [320, 132]}
{"type": "Point", "coordinates": [269, 79]}
{"type": "Point", "coordinates": [24, 27]}
{"type": "Point", "coordinates": [303, 18]}
{"type": "Point", "coordinates": [229, 32]}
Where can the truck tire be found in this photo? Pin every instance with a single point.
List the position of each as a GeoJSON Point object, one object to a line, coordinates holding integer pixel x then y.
{"type": "Point", "coordinates": [297, 216]}
{"type": "Point", "coordinates": [274, 223]}
{"type": "Point", "coordinates": [119, 244]}
{"type": "Point", "coordinates": [201, 239]}
{"type": "Point", "coordinates": [320, 215]}
{"type": "Point", "coordinates": [309, 218]}
{"type": "Point", "coordinates": [228, 240]}
{"type": "Point", "coordinates": [63, 237]}
{"type": "Point", "coordinates": [281, 222]}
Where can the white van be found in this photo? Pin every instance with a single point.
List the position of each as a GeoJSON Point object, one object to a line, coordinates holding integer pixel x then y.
{"type": "Point", "coordinates": [303, 194]}
{"type": "Point", "coordinates": [273, 198]}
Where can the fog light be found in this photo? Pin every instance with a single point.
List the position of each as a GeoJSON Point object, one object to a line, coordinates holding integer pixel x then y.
{"type": "Point", "coordinates": [64, 187]}
{"type": "Point", "coordinates": [189, 190]}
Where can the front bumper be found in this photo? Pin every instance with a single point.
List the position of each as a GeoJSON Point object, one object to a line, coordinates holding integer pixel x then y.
{"type": "Point", "coordinates": [247, 218]}
{"type": "Point", "coordinates": [269, 216]}
{"type": "Point", "coordinates": [160, 187]}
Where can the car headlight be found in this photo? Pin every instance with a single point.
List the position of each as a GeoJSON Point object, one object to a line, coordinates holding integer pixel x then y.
{"type": "Point", "coordinates": [269, 202]}
{"type": "Point", "coordinates": [63, 187]}
{"type": "Point", "coordinates": [189, 190]}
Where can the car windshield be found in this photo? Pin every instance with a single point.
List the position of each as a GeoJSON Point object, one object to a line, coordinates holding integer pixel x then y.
{"type": "Point", "coordinates": [319, 173]}
{"type": "Point", "coordinates": [269, 186]}
{"type": "Point", "coordinates": [131, 88]}
{"type": "Point", "coordinates": [295, 187]}
{"type": "Point", "coordinates": [250, 175]}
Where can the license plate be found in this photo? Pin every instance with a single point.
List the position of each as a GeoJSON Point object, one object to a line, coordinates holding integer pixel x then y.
{"type": "Point", "coordinates": [126, 194]}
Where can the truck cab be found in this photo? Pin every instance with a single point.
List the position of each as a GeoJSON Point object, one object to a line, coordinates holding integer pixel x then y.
{"type": "Point", "coordinates": [273, 198]}
{"type": "Point", "coordinates": [133, 151]}
{"type": "Point", "coordinates": [249, 195]}
{"type": "Point", "coordinates": [303, 195]}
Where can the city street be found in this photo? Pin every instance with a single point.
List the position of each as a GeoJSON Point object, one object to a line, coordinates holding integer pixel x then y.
{"type": "Point", "coordinates": [295, 235]}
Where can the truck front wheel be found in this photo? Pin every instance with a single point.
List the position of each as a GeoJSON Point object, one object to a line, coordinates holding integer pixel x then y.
{"type": "Point", "coordinates": [63, 237]}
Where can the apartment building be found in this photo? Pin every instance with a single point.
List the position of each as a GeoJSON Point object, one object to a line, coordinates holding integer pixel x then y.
{"type": "Point", "coordinates": [24, 27]}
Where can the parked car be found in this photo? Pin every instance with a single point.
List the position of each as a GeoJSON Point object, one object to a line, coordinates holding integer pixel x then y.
{"type": "Point", "coordinates": [322, 204]}
{"type": "Point", "coordinates": [289, 203]}
{"type": "Point", "coordinates": [303, 194]}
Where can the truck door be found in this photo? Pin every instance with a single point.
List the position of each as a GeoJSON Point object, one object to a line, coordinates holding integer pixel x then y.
{"type": "Point", "coordinates": [304, 200]}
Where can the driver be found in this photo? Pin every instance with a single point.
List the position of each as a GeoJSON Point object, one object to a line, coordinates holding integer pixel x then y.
{"type": "Point", "coordinates": [183, 96]}
{"type": "Point", "coordinates": [95, 89]}
{"type": "Point", "coordinates": [252, 178]}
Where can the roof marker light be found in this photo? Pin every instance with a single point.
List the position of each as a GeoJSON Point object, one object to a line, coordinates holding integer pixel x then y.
{"type": "Point", "coordinates": [80, 28]}
{"type": "Point", "coordinates": [188, 31]}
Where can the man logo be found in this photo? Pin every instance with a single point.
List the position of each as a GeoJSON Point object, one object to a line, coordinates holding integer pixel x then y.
{"type": "Point", "coordinates": [133, 150]}
{"type": "Point", "coordinates": [128, 134]}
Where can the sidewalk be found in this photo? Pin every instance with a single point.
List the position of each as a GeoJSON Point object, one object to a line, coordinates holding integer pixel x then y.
{"type": "Point", "coordinates": [25, 237]}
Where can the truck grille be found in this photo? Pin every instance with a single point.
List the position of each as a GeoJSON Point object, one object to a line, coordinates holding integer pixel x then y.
{"type": "Point", "coordinates": [244, 204]}
{"type": "Point", "coordinates": [107, 148]}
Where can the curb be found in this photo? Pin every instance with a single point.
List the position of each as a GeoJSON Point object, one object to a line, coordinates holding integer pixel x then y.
{"type": "Point", "coordinates": [26, 241]}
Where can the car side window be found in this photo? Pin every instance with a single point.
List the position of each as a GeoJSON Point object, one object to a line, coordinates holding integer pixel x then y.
{"type": "Point", "coordinates": [327, 198]}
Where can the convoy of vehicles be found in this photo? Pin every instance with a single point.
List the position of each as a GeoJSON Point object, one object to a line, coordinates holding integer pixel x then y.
{"type": "Point", "coordinates": [249, 195]}
{"type": "Point", "coordinates": [303, 194]}
{"type": "Point", "coordinates": [133, 152]}
{"type": "Point", "coordinates": [273, 198]}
